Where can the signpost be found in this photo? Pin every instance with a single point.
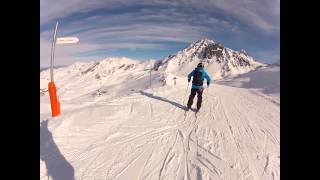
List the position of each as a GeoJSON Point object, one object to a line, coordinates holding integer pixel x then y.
{"type": "Point", "coordinates": [67, 40]}
{"type": "Point", "coordinates": [55, 104]}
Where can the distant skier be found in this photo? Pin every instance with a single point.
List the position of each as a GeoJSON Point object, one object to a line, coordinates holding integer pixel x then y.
{"type": "Point", "coordinates": [199, 74]}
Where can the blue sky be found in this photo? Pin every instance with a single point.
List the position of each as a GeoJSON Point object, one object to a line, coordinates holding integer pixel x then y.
{"type": "Point", "coordinates": [153, 29]}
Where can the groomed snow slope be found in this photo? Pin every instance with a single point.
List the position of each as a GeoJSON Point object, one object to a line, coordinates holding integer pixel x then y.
{"type": "Point", "coordinates": [144, 133]}
{"type": "Point", "coordinates": [264, 79]}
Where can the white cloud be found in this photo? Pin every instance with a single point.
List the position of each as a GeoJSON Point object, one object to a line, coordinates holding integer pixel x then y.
{"type": "Point", "coordinates": [56, 9]}
{"type": "Point", "coordinates": [262, 14]}
{"type": "Point", "coordinates": [183, 21]}
{"type": "Point", "coordinates": [64, 53]}
{"type": "Point", "coordinates": [269, 56]}
{"type": "Point", "coordinates": [137, 31]}
{"type": "Point", "coordinates": [67, 54]}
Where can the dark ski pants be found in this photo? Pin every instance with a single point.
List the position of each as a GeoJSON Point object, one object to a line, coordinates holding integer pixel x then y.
{"type": "Point", "coordinates": [193, 93]}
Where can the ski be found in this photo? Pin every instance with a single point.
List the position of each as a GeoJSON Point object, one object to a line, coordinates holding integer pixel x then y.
{"type": "Point", "coordinates": [186, 110]}
{"type": "Point", "coordinates": [196, 113]}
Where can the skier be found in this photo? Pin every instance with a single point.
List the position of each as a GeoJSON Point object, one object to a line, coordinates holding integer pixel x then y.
{"type": "Point", "coordinates": [199, 74]}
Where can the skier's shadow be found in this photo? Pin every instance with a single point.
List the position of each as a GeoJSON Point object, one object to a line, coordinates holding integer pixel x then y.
{"type": "Point", "coordinates": [58, 168]}
{"type": "Point", "coordinates": [163, 99]}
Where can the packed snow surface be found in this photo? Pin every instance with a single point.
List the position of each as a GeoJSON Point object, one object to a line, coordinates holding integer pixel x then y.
{"type": "Point", "coordinates": [113, 125]}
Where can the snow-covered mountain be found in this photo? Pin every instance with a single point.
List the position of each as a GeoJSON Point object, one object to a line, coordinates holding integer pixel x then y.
{"type": "Point", "coordinates": [87, 78]}
{"type": "Point", "coordinates": [219, 60]}
{"type": "Point", "coordinates": [114, 126]}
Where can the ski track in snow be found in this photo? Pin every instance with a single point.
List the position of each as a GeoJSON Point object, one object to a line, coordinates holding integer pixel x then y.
{"type": "Point", "coordinates": [230, 138]}
{"type": "Point", "coordinates": [133, 131]}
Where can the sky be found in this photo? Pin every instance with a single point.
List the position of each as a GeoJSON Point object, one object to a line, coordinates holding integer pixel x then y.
{"type": "Point", "coordinates": [154, 29]}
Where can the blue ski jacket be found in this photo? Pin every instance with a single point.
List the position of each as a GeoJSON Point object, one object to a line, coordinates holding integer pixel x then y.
{"type": "Point", "coordinates": [204, 76]}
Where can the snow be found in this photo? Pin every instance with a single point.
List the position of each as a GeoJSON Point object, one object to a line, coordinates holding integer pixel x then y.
{"type": "Point", "coordinates": [118, 127]}
{"type": "Point", "coordinates": [266, 80]}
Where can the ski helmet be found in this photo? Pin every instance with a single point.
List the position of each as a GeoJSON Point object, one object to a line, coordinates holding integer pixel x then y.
{"type": "Point", "coordinates": [200, 65]}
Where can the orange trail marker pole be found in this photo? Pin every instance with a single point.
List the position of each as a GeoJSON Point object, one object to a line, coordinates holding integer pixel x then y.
{"type": "Point", "coordinates": [55, 105]}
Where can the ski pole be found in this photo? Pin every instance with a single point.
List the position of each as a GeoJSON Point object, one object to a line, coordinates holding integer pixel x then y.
{"type": "Point", "coordinates": [206, 93]}
{"type": "Point", "coordinates": [186, 93]}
